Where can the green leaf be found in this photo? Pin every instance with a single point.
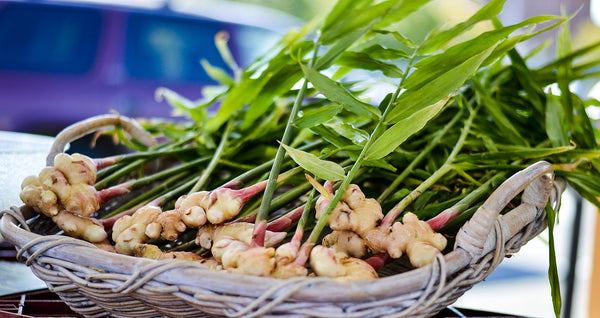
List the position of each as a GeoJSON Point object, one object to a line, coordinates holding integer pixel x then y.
{"type": "Point", "coordinates": [379, 52]}
{"type": "Point", "coordinates": [399, 13]}
{"type": "Point", "coordinates": [424, 199]}
{"type": "Point", "coordinates": [364, 61]}
{"type": "Point", "coordinates": [554, 118]}
{"type": "Point", "coordinates": [435, 90]}
{"type": "Point", "coordinates": [514, 153]}
{"type": "Point", "coordinates": [532, 88]}
{"type": "Point", "coordinates": [181, 104]}
{"type": "Point", "coordinates": [364, 15]}
{"type": "Point", "coordinates": [340, 46]}
{"type": "Point", "coordinates": [579, 153]}
{"type": "Point", "coordinates": [563, 48]}
{"type": "Point", "coordinates": [278, 85]}
{"type": "Point", "coordinates": [587, 185]}
{"type": "Point", "coordinates": [399, 37]}
{"type": "Point", "coordinates": [582, 125]}
{"type": "Point", "coordinates": [331, 136]}
{"type": "Point", "coordinates": [324, 169]}
{"type": "Point", "coordinates": [553, 275]}
{"type": "Point", "coordinates": [216, 73]}
{"type": "Point", "coordinates": [433, 66]}
{"type": "Point", "coordinates": [500, 119]}
{"type": "Point", "coordinates": [487, 12]}
{"type": "Point", "coordinates": [340, 10]}
{"type": "Point", "coordinates": [338, 93]}
{"type": "Point", "coordinates": [402, 130]}
{"type": "Point", "coordinates": [316, 116]}
{"type": "Point", "coordinates": [357, 136]}
{"type": "Point", "coordinates": [238, 96]}
{"type": "Point", "coordinates": [503, 48]}
{"type": "Point", "coordinates": [570, 57]}
{"type": "Point", "coordinates": [381, 164]}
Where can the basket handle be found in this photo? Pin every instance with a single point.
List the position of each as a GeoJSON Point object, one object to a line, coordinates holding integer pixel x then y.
{"type": "Point", "coordinates": [536, 183]}
{"type": "Point", "coordinates": [87, 126]}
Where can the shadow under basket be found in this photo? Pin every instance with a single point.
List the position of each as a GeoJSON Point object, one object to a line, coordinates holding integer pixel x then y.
{"type": "Point", "coordinates": [97, 283]}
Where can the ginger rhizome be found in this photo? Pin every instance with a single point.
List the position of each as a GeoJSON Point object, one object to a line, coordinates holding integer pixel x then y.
{"type": "Point", "coordinates": [411, 236]}
{"type": "Point", "coordinates": [326, 262]}
{"type": "Point", "coordinates": [154, 252]}
{"type": "Point", "coordinates": [354, 212]}
{"type": "Point", "coordinates": [355, 221]}
{"type": "Point", "coordinates": [130, 230]}
{"type": "Point", "coordinates": [230, 245]}
{"type": "Point", "coordinates": [199, 208]}
{"type": "Point", "coordinates": [66, 194]}
{"type": "Point", "coordinates": [68, 186]}
{"type": "Point", "coordinates": [218, 206]}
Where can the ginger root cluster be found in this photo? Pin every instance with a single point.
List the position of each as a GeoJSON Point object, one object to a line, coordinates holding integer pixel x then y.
{"type": "Point", "coordinates": [65, 192]}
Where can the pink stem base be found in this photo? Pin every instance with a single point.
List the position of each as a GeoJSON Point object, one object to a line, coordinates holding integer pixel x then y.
{"type": "Point", "coordinates": [378, 260]}
{"type": "Point", "coordinates": [284, 222]}
{"type": "Point", "coordinates": [440, 220]}
{"type": "Point", "coordinates": [113, 192]}
{"type": "Point", "coordinates": [258, 235]}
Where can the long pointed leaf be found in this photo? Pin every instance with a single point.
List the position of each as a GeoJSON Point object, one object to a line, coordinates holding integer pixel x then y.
{"type": "Point", "coordinates": [552, 267]}
{"type": "Point", "coordinates": [402, 130]}
{"type": "Point", "coordinates": [433, 66]}
{"type": "Point", "coordinates": [363, 17]}
{"type": "Point", "coordinates": [314, 117]}
{"type": "Point", "coordinates": [357, 136]}
{"type": "Point", "coordinates": [500, 119]}
{"type": "Point", "coordinates": [359, 60]}
{"type": "Point", "coordinates": [324, 169]}
{"type": "Point", "coordinates": [337, 93]}
{"type": "Point", "coordinates": [437, 89]}
{"type": "Point", "coordinates": [487, 12]}
{"type": "Point", "coordinates": [555, 122]}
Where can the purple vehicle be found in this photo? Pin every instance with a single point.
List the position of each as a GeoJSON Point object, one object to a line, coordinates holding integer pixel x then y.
{"type": "Point", "coordinates": [61, 62]}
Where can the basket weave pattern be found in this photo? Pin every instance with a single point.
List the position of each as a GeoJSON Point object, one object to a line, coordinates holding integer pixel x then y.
{"type": "Point", "coordinates": [96, 283]}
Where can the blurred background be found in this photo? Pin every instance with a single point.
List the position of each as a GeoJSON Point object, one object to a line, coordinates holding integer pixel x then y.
{"type": "Point", "coordinates": [63, 61]}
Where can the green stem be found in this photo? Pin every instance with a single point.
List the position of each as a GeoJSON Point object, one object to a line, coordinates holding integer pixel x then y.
{"type": "Point", "coordinates": [419, 158]}
{"type": "Point", "coordinates": [118, 174]}
{"type": "Point", "coordinates": [283, 199]}
{"type": "Point", "coordinates": [395, 212]}
{"type": "Point", "coordinates": [309, 205]}
{"type": "Point", "coordinates": [168, 196]}
{"type": "Point", "coordinates": [214, 161]}
{"type": "Point", "coordinates": [152, 154]}
{"type": "Point", "coordinates": [465, 209]}
{"type": "Point", "coordinates": [100, 184]}
{"type": "Point", "coordinates": [279, 156]}
{"type": "Point", "coordinates": [260, 169]}
{"type": "Point", "coordinates": [166, 173]}
{"type": "Point", "coordinates": [145, 197]}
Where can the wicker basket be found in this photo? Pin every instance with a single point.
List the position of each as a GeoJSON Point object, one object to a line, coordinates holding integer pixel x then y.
{"type": "Point", "coordinates": [96, 283]}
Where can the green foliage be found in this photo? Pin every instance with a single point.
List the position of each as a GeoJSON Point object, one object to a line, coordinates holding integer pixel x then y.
{"type": "Point", "coordinates": [323, 169]}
